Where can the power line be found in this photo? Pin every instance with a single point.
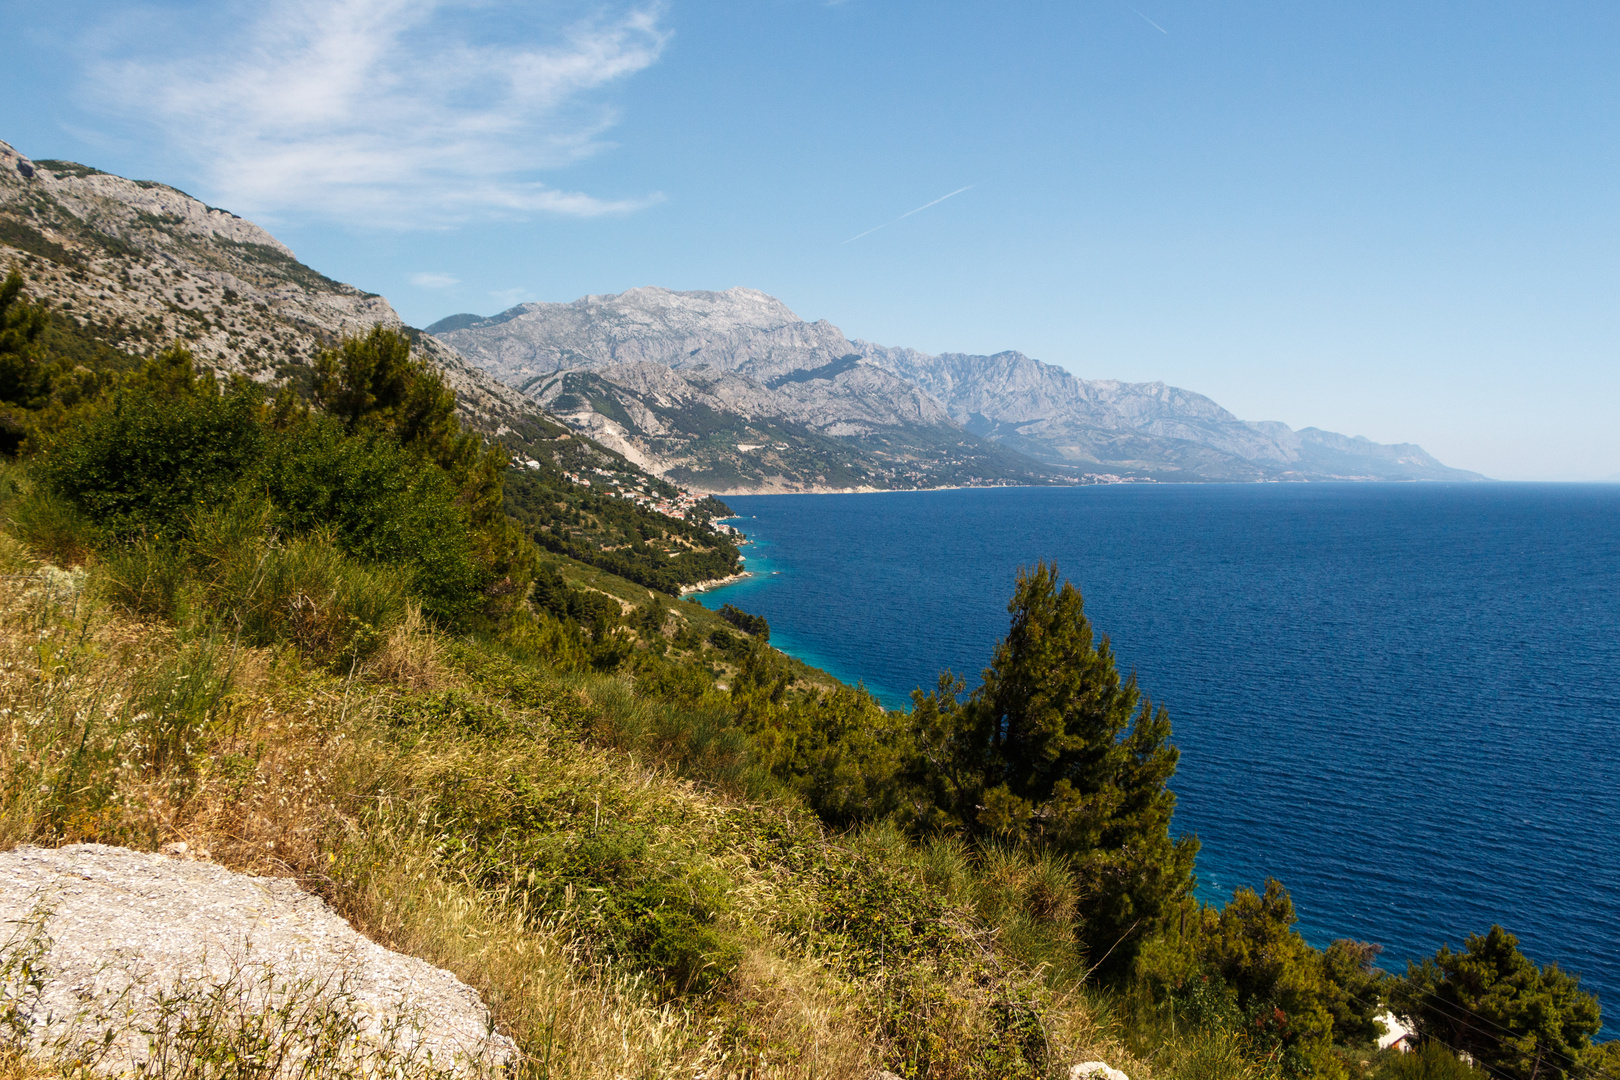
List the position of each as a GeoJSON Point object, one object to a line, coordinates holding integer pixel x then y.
{"type": "Point", "coordinates": [1574, 1064]}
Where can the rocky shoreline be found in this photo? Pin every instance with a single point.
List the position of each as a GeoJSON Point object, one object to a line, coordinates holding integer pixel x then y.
{"type": "Point", "coordinates": [713, 583]}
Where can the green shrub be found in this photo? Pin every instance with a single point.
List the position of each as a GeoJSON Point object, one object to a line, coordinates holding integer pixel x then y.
{"type": "Point", "coordinates": [168, 450]}
{"type": "Point", "coordinates": [381, 506]}
{"type": "Point", "coordinates": [669, 926]}
{"type": "Point", "coordinates": [1431, 1061]}
{"type": "Point", "coordinates": [168, 443]}
{"type": "Point", "coordinates": [742, 620]}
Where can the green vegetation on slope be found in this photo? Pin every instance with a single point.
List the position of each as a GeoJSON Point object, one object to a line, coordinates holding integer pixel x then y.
{"type": "Point", "coordinates": [572, 496]}
{"type": "Point", "coordinates": [610, 524]}
{"type": "Point", "coordinates": [312, 642]}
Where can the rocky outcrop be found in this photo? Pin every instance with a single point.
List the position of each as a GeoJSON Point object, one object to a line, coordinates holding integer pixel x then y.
{"type": "Point", "coordinates": [739, 329]}
{"type": "Point", "coordinates": [145, 265]}
{"type": "Point", "coordinates": [1096, 1070]}
{"type": "Point", "coordinates": [112, 951]}
{"type": "Point", "coordinates": [741, 349]}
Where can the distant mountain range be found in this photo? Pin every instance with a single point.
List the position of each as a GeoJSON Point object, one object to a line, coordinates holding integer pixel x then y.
{"type": "Point", "coordinates": [721, 391]}
{"type": "Point", "coordinates": [733, 390]}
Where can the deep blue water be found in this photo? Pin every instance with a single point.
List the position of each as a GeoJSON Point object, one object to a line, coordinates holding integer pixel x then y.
{"type": "Point", "coordinates": [1403, 701]}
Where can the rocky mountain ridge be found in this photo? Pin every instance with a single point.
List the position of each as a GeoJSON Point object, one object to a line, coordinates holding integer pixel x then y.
{"type": "Point", "coordinates": [731, 391]}
{"type": "Point", "coordinates": [1058, 417]}
{"type": "Point", "coordinates": [746, 354]}
{"type": "Point", "coordinates": [141, 264]}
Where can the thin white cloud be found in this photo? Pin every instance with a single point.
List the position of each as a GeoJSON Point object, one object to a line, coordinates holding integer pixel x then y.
{"type": "Point", "coordinates": [392, 112]}
{"type": "Point", "coordinates": [908, 213]}
{"type": "Point", "coordinates": [1147, 20]}
{"type": "Point", "coordinates": [434, 281]}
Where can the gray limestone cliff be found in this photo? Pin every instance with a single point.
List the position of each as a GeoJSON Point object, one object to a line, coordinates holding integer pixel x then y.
{"type": "Point", "coordinates": [731, 391]}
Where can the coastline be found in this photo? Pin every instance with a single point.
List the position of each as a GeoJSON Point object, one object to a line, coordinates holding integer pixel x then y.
{"type": "Point", "coordinates": [712, 583]}
{"type": "Point", "coordinates": [767, 490]}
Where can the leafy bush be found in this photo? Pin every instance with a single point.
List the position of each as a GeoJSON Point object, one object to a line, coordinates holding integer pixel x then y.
{"type": "Point", "coordinates": [398, 486]}
{"type": "Point", "coordinates": [382, 507]}
{"type": "Point", "coordinates": [162, 446]}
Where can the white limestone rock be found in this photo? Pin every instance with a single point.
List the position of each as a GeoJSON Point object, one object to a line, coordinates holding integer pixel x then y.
{"type": "Point", "coordinates": [119, 939]}
{"type": "Point", "coordinates": [1095, 1070]}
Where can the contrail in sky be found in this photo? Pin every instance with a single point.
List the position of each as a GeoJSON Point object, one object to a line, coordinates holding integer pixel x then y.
{"type": "Point", "coordinates": [907, 214]}
{"type": "Point", "coordinates": [1149, 21]}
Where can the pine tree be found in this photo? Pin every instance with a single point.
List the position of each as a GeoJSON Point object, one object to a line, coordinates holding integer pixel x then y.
{"type": "Point", "coordinates": [1056, 749]}
{"type": "Point", "coordinates": [1493, 1002]}
{"type": "Point", "coordinates": [1280, 983]}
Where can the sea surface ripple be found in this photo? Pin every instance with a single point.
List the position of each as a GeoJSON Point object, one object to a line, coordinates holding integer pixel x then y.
{"type": "Point", "coordinates": [1403, 701]}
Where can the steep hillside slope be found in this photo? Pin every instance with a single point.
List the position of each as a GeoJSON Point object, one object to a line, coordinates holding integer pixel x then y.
{"type": "Point", "coordinates": [133, 266]}
{"type": "Point", "coordinates": [142, 265]}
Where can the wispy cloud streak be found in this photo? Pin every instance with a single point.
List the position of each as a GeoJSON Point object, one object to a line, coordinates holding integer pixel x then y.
{"type": "Point", "coordinates": [391, 112]}
{"type": "Point", "coordinates": [908, 213]}
{"type": "Point", "coordinates": [1147, 20]}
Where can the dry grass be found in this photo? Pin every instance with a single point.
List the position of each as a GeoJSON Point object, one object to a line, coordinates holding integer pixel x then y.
{"type": "Point", "coordinates": [20, 1065]}
{"type": "Point", "coordinates": [123, 732]}
{"type": "Point", "coordinates": [412, 657]}
{"type": "Point", "coordinates": [528, 972]}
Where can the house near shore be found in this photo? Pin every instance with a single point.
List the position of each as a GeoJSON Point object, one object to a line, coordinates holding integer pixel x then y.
{"type": "Point", "coordinates": [1398, 1033]}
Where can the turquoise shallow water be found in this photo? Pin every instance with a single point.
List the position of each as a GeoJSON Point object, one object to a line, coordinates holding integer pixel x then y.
{"type": "Point", "coordinates": [1401, 700]}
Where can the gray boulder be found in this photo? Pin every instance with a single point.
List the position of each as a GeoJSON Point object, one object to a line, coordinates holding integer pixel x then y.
{"type": "Point", "coordinates": [124, 957]}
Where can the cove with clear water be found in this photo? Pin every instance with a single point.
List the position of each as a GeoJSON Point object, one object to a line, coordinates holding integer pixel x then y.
{"type": "Point", "coordinates": [1403, 701]}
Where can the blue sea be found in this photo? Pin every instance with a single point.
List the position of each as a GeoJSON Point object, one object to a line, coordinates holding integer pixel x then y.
{"type": "Point", "coordinates": [1402, 701]}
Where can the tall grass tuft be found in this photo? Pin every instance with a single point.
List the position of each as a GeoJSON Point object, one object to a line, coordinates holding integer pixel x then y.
{"type": "Point", "coordinates": [50, 525]}
{"type": "Point", "coordinates": [148, 579]}
{"type": "Point", "coordinates": [331, 607]}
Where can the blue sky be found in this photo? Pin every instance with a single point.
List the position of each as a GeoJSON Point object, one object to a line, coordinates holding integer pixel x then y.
{"type": "Point", "coordinates": [1395, 220]}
